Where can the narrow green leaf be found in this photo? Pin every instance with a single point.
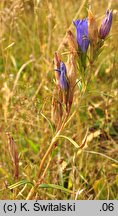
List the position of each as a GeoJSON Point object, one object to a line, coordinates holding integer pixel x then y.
{"type": "Point", "coordinates": [48, 122]}
{"type": "Point", "coordinates": [34, 146]}
{"type": "Point", "coordinates": [55, 187]}
{"type": "Point", "coordinates": [79, 83]}
{"type": "Point", "coordinates": [71, 140]}
{"type": "Point", "coordinates": [17, 184]}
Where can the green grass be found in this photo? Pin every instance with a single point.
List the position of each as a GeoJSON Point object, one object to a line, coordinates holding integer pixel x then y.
{"type": "Point", "coordinates": [28, 41]}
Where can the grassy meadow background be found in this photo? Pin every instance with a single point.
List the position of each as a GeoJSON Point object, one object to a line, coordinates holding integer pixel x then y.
{"type": "Point", "coordinates": [30, 32]}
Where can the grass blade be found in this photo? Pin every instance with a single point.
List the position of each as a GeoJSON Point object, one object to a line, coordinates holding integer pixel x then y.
{"type": "Point", "coordinates": [69, 139]}
{"type": "Point", "coordinates": [53, 186]}
{"type": "Point", "coordinates": [17, 184]}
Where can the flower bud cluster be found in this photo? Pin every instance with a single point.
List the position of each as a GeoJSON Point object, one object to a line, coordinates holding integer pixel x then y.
{"type": "Point", "coordinates": [87, 33]}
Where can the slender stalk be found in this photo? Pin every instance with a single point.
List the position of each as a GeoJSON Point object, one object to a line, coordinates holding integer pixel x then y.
{"type": "Point", "coordinates": [33, 190]}
{"type": "Point", "coordinates": [54, 140]}
{"type": "Point", "coordinates": [49, 150]}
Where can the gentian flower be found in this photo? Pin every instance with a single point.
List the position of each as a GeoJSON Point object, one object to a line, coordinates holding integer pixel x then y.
{"type": "Point", "coordinates": [82, 34]}
{"type": "Point", "coordinates": [106, 25]}
{"type": "Point", "coordinates": [62, 76]}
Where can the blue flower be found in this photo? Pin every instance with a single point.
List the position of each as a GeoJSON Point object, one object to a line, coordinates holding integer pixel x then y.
{"type": "Point", "coordinates": [106, 25]}
{"type": "Point", "coordinates": [82, 34]}
{"type": "Point", "coordinates": [62, 76]}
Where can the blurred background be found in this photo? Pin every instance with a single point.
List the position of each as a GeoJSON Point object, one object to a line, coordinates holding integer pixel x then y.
{"type": "Point", "coordinates": [30, 32]}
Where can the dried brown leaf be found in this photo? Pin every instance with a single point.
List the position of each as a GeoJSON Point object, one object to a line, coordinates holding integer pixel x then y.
{"type": "Point", "coordinates": [14, 154]}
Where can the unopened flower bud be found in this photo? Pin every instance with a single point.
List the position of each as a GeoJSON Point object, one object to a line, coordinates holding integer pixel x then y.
{"type": "Point", "coordinates": [106, 25]}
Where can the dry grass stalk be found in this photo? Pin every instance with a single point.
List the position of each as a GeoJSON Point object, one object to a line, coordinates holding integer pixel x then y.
{"type": "Point", "coordinates": [9, 15]}
{"type": "Point", "coordinates": [14, 154]}
{"type": "Point", "coordinates": [6, 99]}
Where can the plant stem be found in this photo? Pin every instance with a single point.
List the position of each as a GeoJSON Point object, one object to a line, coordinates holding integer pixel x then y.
{"type": "Point", "coordinates": [32, 192]}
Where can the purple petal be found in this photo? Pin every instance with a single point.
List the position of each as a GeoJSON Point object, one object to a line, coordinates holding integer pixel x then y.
{"type": "Point", "coordinates": [63, 79]}
{"type": "Point", "coordinates": [106, 25]}
{"type": "Point", "coordinates": [82, 34]}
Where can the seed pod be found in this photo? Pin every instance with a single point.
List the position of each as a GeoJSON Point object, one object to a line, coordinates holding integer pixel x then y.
{"type": "Point", "coordinates": [72, 57]}
{"type": "Point", "coordinates": [56, 67]}
{"type": "Point", "coordinates": [92, 28]}
{"type": "Point", "coordinates": [57, 112]}
{"type": "Point", "coordinates": [73, 47]}
{"type": "Point", "coordinates": [57, 99]}
{"type": "Point", "coordinates": [14, 154]}
{"type": "Point", "coordinates": [72, 73]}
{"type": "Point", "coordinates": [71, 66]}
